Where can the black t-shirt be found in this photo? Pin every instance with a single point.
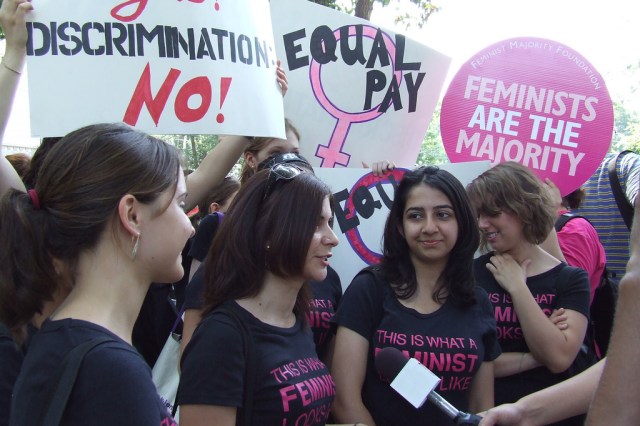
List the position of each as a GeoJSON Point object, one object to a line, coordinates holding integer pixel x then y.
{"type": "Point", "coordinates": [207, 229]}
{"type": "Point", "coordinates": [10, 362]}
{"type": "Point", "coordinates": [551, 293]}
{"type": "Point", "coordinates": [113, 386]}
{"type": "Point", "coordinates": [325, 297]}
{"type": "Point", "coordinates": [452, 342]}
{"type": "Point", "coordinates": [292, 386]}
{"type": "Point", "coordinates": [154, 323]}
{"type": "Point", "coordinates": [195, 289]}
{"type": "Point", "coordinates": [199, 248]}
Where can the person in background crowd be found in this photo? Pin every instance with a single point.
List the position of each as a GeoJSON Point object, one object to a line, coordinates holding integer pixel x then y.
{"type": "Point", "coordinates": [601, 208]}
{"type": "Point", "coordinates": [217, 205]}
{"type": "Point", "coordinates": [210, 212]}
{"type": "Point", "coordinates": [579, 241]}
{"type": "Point", "coordinates": [20, 161]}
{"type": "Point", "coordinates": [261, 148]}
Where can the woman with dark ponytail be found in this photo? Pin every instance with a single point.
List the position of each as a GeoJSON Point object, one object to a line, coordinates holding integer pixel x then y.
{"type": "Point", "coordinates": [104, 220]}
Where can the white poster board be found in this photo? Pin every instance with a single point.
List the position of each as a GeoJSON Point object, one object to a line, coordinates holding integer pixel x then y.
{"type": "Point", "coordinates": [165, 66]}
{"type": "Point", "coordinates": [363, 202]}
{"type": "Point", "coordinates": [357, 92]}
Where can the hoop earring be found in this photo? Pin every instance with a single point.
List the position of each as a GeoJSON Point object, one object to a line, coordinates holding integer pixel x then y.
{"type": "Point", "coordinates": [134, 252]}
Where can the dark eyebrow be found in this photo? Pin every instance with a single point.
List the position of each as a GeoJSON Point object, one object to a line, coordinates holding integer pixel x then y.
{"type": "Point", "coordinates": [418, 209]}
{"type": "Point", "coordinates": [421, 209]}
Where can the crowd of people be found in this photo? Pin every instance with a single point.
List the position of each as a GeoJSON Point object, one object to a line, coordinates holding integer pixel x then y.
{"type": "Point", "coordinates": [99, 264]}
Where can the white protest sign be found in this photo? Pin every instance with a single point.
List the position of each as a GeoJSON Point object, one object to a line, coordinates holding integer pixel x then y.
{"type": "Point", "coordinates": [362, 204]}
{"type": "Point", "coordinates": [357, 92]}
{"type": "Point", "coordinates": [166, 66]}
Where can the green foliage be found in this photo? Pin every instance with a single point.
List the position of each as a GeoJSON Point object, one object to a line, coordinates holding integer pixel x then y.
{"type": "Point", "coordinates": [424, 9]}
{"type": "Point", "coordinates": [626, 131]}
{"type": "Point", "coordinates": [432, 150]}
{"type": "Point", "coordinates": [193, 147]}
{"type": "Point", "coordinates": [328, 3]}
{"type": "Point", "coordinates": [417, 14]}
{"type": "Point", "coordinates": [626, 119]}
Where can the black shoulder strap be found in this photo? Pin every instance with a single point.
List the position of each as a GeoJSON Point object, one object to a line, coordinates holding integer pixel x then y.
{"type": "Point", "coordinates": [59, 393]}
{"type": "Point", "coordinates": [244, 415]}
{"type": "Point", "coordinates": [562, 220]}
{"type": "Point", "coordinates": [626, 209]}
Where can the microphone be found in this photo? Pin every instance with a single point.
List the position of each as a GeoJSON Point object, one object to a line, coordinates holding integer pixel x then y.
{"type": "Point", "coordinates": [416, 383]}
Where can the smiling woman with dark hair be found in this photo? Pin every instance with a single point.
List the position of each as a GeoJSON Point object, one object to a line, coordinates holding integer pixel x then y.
{"type": "Point", "coordinates": [421, 299]}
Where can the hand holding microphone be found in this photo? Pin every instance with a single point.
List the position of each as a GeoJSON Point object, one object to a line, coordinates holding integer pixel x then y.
{"type": "Point", "coordinates": [415, 383]}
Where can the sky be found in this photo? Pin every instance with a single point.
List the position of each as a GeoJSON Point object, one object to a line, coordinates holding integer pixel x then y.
{"type": "Point", "coordinates": [605, 33]}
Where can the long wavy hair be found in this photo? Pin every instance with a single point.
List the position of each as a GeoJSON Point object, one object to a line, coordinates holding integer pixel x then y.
{"type": "Point", "coordinates": [456, 281]}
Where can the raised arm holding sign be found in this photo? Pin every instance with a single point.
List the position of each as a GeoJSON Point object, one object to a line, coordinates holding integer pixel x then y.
{"type": "Point", "coordinates": [12, 19]}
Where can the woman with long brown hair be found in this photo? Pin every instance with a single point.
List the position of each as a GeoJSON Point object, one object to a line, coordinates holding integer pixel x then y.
{"type": "Point", "coordinates": [275, 238]}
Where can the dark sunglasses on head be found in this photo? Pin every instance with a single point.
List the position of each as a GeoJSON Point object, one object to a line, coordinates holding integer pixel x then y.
{"type": "Point", "coordinates": [280, 172]}
{"type": "Point", "coordinates": [289, 157]}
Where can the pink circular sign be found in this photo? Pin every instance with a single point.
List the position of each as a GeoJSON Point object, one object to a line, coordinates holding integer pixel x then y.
{"type": "Point", "coordinates": [530, 100]}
